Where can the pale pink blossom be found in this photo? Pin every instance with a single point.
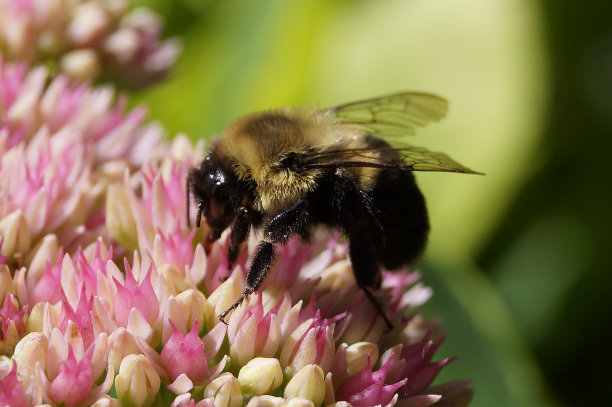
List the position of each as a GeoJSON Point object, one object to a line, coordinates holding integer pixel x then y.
{"type": "Point", "coordinates": [413, 362]}
{"type": "Point", "coordinates": [312, 342]}
{"type": "Point", "coordinates": [12, 392]}
{"type": "Point", "coordinates": [81, 317]}
{"type": "Point", "coordinates": [184, 354]}
{"type": "Point", "coordinates": [368, 388]}
{"type": "Point", "coordinates": [256, 333]}
{"type": "Point", "coordinates": [72, 374]}
{"type": "Point", "coordinates": [88, 38]}
{"type": "Point", "coordinates": [61, 144]}
{"type": "Point", "coordinates": [73, 381]}
{"type": "Point", "coordinates": [134, 295]}
{"type": "Point", "coordinates": [13, 319]}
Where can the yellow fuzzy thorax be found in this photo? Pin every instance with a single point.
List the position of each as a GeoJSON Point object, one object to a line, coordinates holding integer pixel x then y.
{"type": "Point", "coordinates": [254, 146]}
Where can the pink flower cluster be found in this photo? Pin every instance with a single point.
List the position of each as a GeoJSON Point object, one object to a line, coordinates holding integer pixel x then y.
{"type": "Point", "coordinates": [61, 145]}
{"type": "Point", "coordinates": [87, 38]}
{"type": "Point", "coordinates": [108, 298]}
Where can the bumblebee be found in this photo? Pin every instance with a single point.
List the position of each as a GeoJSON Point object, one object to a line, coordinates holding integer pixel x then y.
{"type": "Point", "coordinates": [289, 169]}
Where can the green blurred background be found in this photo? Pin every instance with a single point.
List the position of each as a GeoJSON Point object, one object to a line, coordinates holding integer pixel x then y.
{"type": "Point", "coordinates": [518, 257]}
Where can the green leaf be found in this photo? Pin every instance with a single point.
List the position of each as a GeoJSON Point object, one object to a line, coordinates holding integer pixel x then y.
{"type": "Point", "coordinates": [481, 332]}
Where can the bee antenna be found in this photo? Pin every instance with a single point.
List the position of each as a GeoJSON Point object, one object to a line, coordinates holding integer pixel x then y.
{"type": "Point", "coordinates": [188, 190]}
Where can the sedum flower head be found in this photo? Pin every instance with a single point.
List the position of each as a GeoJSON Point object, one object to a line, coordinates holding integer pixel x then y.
{"type": "Point", "coordinates": [60, 146]}
{"type": "Point", "coordinates": [104, 283]}
{"type": "Point", "coordinates": [87, 38]}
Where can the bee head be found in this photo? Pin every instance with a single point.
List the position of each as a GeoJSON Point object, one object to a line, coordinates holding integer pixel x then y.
{"type": "Point", "coordinates": [217, 193]}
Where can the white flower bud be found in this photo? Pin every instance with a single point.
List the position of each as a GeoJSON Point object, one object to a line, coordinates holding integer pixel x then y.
{"type": "Point", "coordinates": [225, 389]}
{"type": "Point", "coordinates": [81, 64]}
{"type": "Point", "coordinates": [14, 228]}
{"type": "Point", "coordinates": [357, 355]}
{"type": "Point", "coordinates": [260, 376]}
{"type": "Point", "coordinates": [30, 350]}
{"type": "Point", "coordinates": [298, 402]}
{"type": "Point", "coordinates": [266, 401]}
{"type": "Point", "coordinates": [137, 383]}
{"type": "Point", "coordinates": [308, 383]}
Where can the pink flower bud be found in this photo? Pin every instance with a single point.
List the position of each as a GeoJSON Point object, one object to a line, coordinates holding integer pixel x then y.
{"type": "Point", "coordinates": [12, 392]}
{"type": "Point", "coordinates": [253, 333]}
{"type": "Point", "coordinates": [74, 381]}
{"type": "Point", "coordinates": [368, 388]}
{"type": "Point", "coordinates": [185, 354]}
{"type": "Point", "coordinates": [81, 317]}
{"type": "Point", "coordinates": [311, 343]}
{"type": "Point", "coordinates": [12, 324]}
{"type": "Point", "coordinates": [131, 294]}
{"type": "Point", "coordinates": [47, 287]}
{"type": "Point", "coordinates": [414, 364]}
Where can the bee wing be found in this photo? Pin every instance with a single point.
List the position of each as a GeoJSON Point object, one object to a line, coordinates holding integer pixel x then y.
{"type": "Point", "coordinates": [395, 115]}
{"type": "Point", "coordinates": [421, 159]}
{"type": "Point", "coordinates": [411, 158]}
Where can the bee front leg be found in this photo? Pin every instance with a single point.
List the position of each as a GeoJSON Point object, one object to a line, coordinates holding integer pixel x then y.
{"type": "Point", "coordinates": [293, 220]}
{"type": "Point", "coordinates": [238, 234]}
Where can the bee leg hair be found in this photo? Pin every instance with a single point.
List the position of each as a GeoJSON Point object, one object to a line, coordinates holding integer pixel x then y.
{"type": "Point", "coordinates": [290, 221]}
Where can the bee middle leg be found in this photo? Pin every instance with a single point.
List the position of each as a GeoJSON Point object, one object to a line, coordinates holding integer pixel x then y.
{"type": "Point", "coordinates": [290, 221]}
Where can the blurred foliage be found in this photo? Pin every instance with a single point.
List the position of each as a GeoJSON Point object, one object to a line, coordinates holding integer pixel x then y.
{"type": "Point", "coordinates": [517, 258]}
{"type": "Point", "coordinates": [550, 256]}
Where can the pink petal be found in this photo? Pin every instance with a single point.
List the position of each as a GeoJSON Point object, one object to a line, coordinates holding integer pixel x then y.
{"type": "Point", "coordinates": [12, 392]}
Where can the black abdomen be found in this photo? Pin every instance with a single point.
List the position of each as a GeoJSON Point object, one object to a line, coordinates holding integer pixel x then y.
{"type": "Point", "coordinates": [403, 218]}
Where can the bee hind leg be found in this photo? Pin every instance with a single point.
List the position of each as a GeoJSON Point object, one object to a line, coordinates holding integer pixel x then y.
{"type": "Point", "coordinates": [356, 214]}
{"type": "Point", "coordinates": [366, 271]}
